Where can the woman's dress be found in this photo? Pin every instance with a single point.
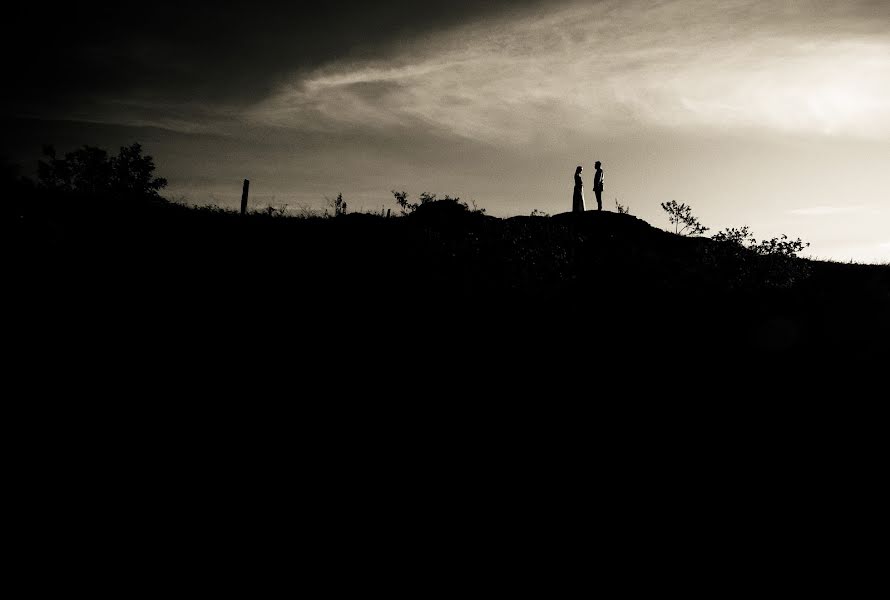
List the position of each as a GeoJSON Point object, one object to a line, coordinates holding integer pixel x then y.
{"type": "Point", "coordinates": [578, 196]}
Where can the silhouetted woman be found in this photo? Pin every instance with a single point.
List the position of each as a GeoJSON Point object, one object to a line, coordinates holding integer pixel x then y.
{"type": "Point", "coordinates": [578, 196]}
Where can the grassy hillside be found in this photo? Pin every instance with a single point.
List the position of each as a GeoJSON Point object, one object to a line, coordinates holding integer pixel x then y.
{"type": "Point", "coordinates": [443, 277]}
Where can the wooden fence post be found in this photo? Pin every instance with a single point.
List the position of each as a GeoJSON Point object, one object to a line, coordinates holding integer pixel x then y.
{"type": "Point", "coordinates": [244, 196]}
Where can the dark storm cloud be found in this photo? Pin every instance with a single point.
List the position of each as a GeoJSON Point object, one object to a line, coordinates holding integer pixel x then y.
{"type": "Point", "coordinates": [219, 52]}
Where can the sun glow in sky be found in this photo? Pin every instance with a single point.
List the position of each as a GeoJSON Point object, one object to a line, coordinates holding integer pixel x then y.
{"type": "Point", "coordinates": [767, 114]}
{"type": "Point", "coordinates": [580, 71]}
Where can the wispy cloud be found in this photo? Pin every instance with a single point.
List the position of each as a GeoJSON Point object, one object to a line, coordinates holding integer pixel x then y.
{"type": "Point", "coordinates": [822, 211]}
{"type": "Point", "coordinates": [607, 67]}
{"type": "Point", "coordinates": [180, 117]}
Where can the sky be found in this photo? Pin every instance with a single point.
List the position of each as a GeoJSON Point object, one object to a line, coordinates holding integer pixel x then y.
{"type": "Point", "coordinates": [771, 114]}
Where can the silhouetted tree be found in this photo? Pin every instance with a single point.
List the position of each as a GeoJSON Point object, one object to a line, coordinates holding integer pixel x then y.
{"type": "Point", "coordinates": [131, 173]}
{"type": "Point", "coordinates": [681, 214]}
{"type": "Point", "coordinates": [89, 170]}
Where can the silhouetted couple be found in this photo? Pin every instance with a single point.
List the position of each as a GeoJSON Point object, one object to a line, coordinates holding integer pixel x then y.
{"type": "Point", "coordinates": [578, 196]}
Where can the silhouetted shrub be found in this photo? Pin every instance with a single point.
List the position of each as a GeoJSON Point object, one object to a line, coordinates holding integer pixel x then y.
{"type": "Point", "coordinates": [739, 237]}
{"type": "Point", "coordinates": [427, 198]}
{"type": "Point", "coordinates": [402, 201]}
{"type": "Point", "coordinates": [781, 246]}
{"type": "Point", "coordinates": [769, 263]}
{"type": "Point", "coordinates": [338, 205]}
{"type": "Point", "coordinates": [276, 211]}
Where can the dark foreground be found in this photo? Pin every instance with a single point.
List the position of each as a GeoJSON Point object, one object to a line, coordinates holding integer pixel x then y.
{"type": "Point", "coordinates": [153, 283]}
{"type": "Point", "coordinates": [184, 371]}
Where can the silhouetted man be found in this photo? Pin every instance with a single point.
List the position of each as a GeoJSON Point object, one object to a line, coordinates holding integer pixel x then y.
{"type": "Point", "coordinates": [598, 185]}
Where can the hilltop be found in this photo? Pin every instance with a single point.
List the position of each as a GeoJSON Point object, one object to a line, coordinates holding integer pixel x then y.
{"type": "Point", "coordinates": [442, 273]}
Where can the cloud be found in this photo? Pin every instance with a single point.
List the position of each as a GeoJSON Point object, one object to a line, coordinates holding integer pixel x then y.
{"type": "Point", "coordinates": [220, 51]}
{"type": "Point", "coordinates": [609, 68]}
{"type": "Point", "coordinates": [822, 211]}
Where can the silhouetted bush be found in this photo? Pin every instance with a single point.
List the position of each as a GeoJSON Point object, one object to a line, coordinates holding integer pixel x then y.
{"type": "Point", "coordinates": [739, 237]}
{"type": "Point", "coordinates": [402, 201]}
{"type": "Point", "coordinates": [338, 205]}
{"type": "Point", "coordinates": [278, 212]}
{"type": "Point", "coordinates": [428, 198]}
{"type": "Point", "coordinates": [781, 246]}
{"type": "Point", "coordinates": [769, 263]}
{"type": "Point", "coordinates": [743, 237]}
